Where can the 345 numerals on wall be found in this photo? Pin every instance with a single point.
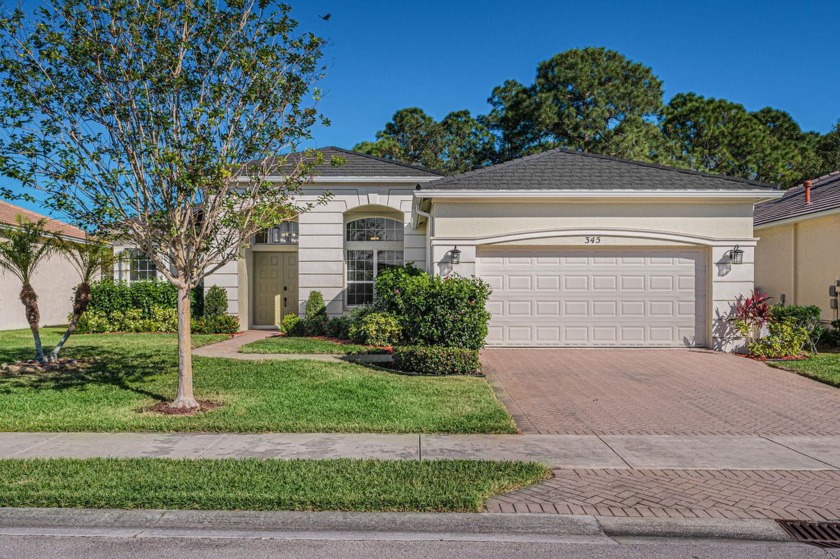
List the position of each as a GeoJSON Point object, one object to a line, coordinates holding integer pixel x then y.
{"type": "Point", "coordinates": [591, 240]}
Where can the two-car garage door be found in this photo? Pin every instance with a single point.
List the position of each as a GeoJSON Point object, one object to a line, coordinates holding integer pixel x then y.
{"type": "Point", "coordinates": [599, 297]}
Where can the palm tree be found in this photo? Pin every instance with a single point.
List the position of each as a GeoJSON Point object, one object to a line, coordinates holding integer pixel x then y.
{"type": "Point", "coordinates": [89, 258]}
{"type": "Point", "coordinates": [24, 248]}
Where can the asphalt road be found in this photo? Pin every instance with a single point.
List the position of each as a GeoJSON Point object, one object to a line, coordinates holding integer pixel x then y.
{"type": "Point", "coordinates": [74, 547]}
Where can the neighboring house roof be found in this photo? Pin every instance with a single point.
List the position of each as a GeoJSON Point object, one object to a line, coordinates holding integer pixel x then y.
{"type": "Point", "coordinates": [9, 211]}
{"type": "Point", "coordinates": [362, 165]}
{"type": "Point", "coordinates": [825, 195]}
{"type": "Point", "coordinates": [561, 169]}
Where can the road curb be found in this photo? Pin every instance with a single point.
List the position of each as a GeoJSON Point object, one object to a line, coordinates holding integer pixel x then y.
{"type": "Point", "coordinates": [288, 525]}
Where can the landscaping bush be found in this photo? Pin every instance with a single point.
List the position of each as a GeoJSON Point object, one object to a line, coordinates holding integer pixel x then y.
{"type": "Point", "coordinates": [436, 360]}
{"type": "Point", "coordinates": [215, 302]}
{"type": "Point", "coordinates": [831, 336]}
{"type": "Point", "coordinates": [339, 327]}
{"type": "Point", "coordinates": [434, 310]}
{"type": "Point", "coordinates": [292, 325]}
{"type": "Point", "coordinates": [785, 339]}
{"type": "Point", "coordinates": [151, 306]}
{"type": "Point", "coordinates": [219, 324]}
{"type": "Point", "coordinates": [804, 316]}
{"type": "Point", "coordinates": [315, 306]}
{"type": "Point", "coordinates": [376, 328]}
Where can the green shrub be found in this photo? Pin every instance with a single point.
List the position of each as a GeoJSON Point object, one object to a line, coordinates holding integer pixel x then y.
{"type": "Point", "coordinates": [831, 336]}
{"type": "Point", "coordinates": [804, 316]}
{"type": "Point", "coordinates": [316, 326]}
{"type": "Point", "coordinates": [785, 338]}
{"type": "Point", "coordinates": [436, 360]}
{"type": "Point", "coordinates": [93, 322]}
{"type": "Point", "coordinates": [109, 296]}
{"type": "Point", "coordinates": [433, 310]}
{"type": "Point", "coordinates": [292, 325]}
{"type": "Point", "coordinates": [376, 328]}
{"type": "Point", "coordinates": [220, 324]}
{"type": "Point", "coordinates": [131, 320]}
{"type": "Point", "coordinates": [315, 306]}
{"type": "Point", "coordinates": [339, 327]}
{"type": "Point", "coordinates": [215, 302]}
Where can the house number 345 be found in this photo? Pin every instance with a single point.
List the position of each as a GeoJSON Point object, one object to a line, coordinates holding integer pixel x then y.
{"type": "Point", "coordinates": [591, 240]}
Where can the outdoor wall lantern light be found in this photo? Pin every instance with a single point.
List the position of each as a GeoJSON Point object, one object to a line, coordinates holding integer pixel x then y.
{"type": "Point", "coordinates": [736, 255]}
{"type": "Point", "coordinates": [455, 256]}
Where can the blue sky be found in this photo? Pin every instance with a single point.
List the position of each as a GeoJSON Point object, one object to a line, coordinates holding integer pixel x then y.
{"type": "Point", "coordinates": [444, 56]}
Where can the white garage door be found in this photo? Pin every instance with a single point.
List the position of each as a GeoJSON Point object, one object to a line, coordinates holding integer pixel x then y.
{"type": "Point", "coordinates": [602, 297]}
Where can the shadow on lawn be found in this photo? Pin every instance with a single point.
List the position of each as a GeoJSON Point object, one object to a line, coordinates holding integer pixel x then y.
{"type": "Point", "coordinates": [88, 365]}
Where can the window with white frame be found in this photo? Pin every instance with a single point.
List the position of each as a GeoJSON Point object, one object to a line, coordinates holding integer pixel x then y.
{"type": "Point", "coordinates": [286, 233]}
{"type": "Point", "coordinates": [372, 244]}
{"type": "Point", "coordinates": [140, 267]}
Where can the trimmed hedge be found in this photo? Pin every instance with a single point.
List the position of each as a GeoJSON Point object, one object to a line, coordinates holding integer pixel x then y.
{"type": "Point", "coordinates": [151, 306]}
{"type": "Point", "coordinates": [433, 310]}
{"type": "Point", "coordinates": [436, 360]}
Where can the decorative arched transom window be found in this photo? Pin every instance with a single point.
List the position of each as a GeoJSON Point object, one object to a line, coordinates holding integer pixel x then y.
{"type": "Point", "coordinates": [372, 244]}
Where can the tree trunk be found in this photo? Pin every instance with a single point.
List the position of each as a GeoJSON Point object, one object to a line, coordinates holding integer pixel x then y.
{"type": "Point", "coordinates": [33, 316]}
{"type": "Point", "coordinates": [185, 398]}
{"type": "Point", "coordinates": [80, 304]}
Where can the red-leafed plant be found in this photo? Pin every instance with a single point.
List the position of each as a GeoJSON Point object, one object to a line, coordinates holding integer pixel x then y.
{"type": "Point", "coordinates": [752, 313]}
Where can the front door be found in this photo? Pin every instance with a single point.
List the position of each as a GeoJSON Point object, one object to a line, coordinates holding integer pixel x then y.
{"type": "Point", "coordinates": [275, 286]}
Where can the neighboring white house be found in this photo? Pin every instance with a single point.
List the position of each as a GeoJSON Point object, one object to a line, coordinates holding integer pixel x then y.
{"type": "Point", "coordinates": [581, 250]}
{"type": "Point", "coordinates": [54, 281]}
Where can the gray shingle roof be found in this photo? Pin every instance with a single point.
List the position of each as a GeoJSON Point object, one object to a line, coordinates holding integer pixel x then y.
{"type": "Point", "coordinates": [560, 169]}
{"type": "Point", "coordinates": [363, 165]}
{"type": "Point", "coordinates": [825, 195]}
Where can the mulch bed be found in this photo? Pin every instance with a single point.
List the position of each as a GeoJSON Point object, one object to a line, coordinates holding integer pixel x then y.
{"type": "Point", "coordinates": [33, 367]}
{"type": "Point", "coordinates": [165, 408]}
{"type": "Point", "coordinates": [765, 359]}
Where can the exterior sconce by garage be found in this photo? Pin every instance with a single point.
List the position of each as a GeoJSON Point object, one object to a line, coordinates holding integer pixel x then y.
{"type": "Point", "coordinates": [736, 255]}
{"type": "Point", "coordinates": [455, 256]}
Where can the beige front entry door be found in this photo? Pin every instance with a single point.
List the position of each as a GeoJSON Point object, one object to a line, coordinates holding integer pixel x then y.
{"type": "Point", "coordinates": [275, 286]}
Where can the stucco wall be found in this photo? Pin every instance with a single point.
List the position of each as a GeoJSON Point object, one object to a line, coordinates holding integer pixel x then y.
{"type": "Point", "coordinates": [801, 260]}
{"type": "Point", "coordinates": [54, 282]}
{"type": "Point", "coordinates": [321, 245]}
{"type": "Point", "coordinates": [715, 226]}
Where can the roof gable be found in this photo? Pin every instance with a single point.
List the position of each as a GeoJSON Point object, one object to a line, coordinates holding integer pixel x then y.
{"type": "Point", "coordinates": [825, 196]}
{"type": "Point", "coordinates": [362, 165]}
{"type": "Point", "coordinates": [561, 169]}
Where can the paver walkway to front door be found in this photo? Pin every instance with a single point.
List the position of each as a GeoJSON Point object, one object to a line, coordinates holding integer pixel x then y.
{"type": "Point", "coordinates": [657, 392]}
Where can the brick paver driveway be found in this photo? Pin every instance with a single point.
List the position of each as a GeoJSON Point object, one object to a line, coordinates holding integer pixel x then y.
{"type": "Point", "coordinates": [658, 392]}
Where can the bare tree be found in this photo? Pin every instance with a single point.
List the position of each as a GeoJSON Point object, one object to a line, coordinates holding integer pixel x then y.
{"type": "Point", "coordinates": [161, 122]}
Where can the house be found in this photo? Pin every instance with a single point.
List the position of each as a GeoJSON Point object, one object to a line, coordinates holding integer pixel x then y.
{"type": "Point", "coordinates": [580, 249]}
{"type": "Point", "coordinates": [54, 280]}
{"type": "Point", "coordinates": [798, 252]}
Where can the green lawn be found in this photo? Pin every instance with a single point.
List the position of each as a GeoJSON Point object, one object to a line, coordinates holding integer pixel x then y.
{"type": "Point", "coordinates": [824, 367]}
{"type": "Point", "coordinates": [307, 345]}
{"type": "Point", "coordinates": [252, 484]}
{"type": "Point", "coordinates": [128, 372]}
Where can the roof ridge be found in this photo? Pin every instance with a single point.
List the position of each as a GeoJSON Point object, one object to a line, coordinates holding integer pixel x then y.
{"type": "Point", "coordinates": [567, 151]}
{"type": "Point", "coordinates": [384, 160]}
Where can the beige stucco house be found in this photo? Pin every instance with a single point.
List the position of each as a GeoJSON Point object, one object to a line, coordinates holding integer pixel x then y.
{"type": "Point", "coordinates": [54, 281]}
{"type": "Point", "coordinates": [581, 250]}
{"type": "Point", "coordinates": [798, 252]}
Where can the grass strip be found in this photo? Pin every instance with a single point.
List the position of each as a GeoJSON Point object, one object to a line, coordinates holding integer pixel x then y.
{"type": "Point", "coordinates": [278, 345]}
{"type": "Point", "coordinates": [264, 485]}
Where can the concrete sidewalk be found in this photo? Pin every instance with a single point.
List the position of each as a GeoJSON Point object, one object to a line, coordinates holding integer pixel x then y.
{"type": "Point", "coordinates": [555, 451]}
